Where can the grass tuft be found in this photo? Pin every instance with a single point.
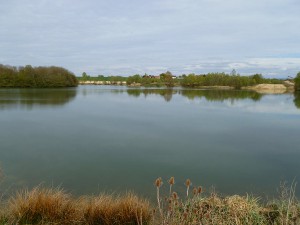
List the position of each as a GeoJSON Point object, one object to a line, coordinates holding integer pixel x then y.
{"type": "Point", "coordinates": [41, 205]}
{"type": "Point", "coordinates": [109, 210]}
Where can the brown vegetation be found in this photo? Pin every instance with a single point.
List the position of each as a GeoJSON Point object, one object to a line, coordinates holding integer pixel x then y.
{"type": "Point", "coordinates": [107, 210]}
{"type": "Point", "coordinates": [211, 209]}
{"type": "Point", "coordinates": [54, 206]}
{"type": "Point", "coordinates": [43, 205]}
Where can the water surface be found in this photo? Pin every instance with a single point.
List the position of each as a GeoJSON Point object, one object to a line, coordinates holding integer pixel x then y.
{"type": "Point", "coordinates": [92, 139]}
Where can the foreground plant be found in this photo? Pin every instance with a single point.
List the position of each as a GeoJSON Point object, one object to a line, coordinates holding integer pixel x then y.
{"type": "Point", "coordinates": [107, 210]}
{"type": "Point", "coordinates": [212, 209]}
{"type": "Point", "coordinates": [42, 205]}
{"type": "Point", "coordinates": [54, 206]}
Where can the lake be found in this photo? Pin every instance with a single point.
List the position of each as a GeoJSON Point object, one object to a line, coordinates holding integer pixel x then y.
{"type": "Point", "coordinates": [92, 139]}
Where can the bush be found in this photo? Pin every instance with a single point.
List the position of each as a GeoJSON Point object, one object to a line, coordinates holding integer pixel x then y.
{"type": "Point", "coordinates": [36, 77]}
{"type": "Point", "coordinates": [297, 82]}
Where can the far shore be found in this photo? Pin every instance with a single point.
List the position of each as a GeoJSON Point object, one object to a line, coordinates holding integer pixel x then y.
{"type": "Point", "coordinates": [286, 87]}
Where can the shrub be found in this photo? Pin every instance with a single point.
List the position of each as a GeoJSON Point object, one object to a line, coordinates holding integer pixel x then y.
{"type": "Point", "coordinates": [297, 82]}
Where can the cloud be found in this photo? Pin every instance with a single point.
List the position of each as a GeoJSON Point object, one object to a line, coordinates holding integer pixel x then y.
{"type": "Point", "coordinates": [139, 36]}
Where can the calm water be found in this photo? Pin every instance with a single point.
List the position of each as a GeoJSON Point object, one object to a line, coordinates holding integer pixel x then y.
{"type": "Point", "coordinates": [99, 138]}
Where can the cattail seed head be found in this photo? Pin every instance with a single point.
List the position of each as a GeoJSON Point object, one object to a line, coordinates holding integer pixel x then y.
{"type": "Point", "coordinates": [195, 191]}
{"type": "Point", "coordinates": [188, 182]}
{"type": "Point", "coordinates": [158, 182]}
{"type": "Point", "coordinates": [200, 190]}
{"type": "Point", "coordinates": [175, 195]}
{"type": "Point", "coordinates": [171, 181]}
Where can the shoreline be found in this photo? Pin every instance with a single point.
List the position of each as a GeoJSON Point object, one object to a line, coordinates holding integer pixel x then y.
{"type": "Point", "coordinates": [286, 87]}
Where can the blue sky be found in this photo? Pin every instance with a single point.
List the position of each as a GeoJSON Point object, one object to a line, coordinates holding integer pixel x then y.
{"type": "Point", "coordinates": [119, 37]}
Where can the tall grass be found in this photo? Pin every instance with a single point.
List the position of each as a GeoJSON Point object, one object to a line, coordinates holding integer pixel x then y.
{"type": "Point", "coordinates": [107, 210]}
{"type": "Point", "coordinates": [54, 206]}
{"type": "Point", "coordinates": [195, 207]}
{"type": "Point", "coordinates": [41, 205]}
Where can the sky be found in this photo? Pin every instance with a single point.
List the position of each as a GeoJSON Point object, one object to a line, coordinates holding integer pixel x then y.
{"type": "Point", "coordinates": [119, 37]}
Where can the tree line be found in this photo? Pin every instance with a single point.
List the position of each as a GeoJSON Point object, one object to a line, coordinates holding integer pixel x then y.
{"type": "Point", "coordinates": [222, 79]}
{"type": "Point", "coordinates": [192, 80]}
{"type": "Point", "coordinates": [36, 77]}
{"type": "Point", "coordinates": [112, 79]}
{"type": "Point", "coordinates": [211, 79]}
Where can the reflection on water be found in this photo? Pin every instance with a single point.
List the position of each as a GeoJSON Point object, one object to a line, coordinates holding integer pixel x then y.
{"type": "Point", "coordinates": [165, 93]}
{"type": "Point", "coordinates": [214, 95]}
{"type": "Point", "coordinates": [209, 95]}
{"type": "Point", "coordinates": [31, 98]}
{"type": "Point", "coordinates": [297, 99]}
{"type": "Point", "coordinates": [221, 95]}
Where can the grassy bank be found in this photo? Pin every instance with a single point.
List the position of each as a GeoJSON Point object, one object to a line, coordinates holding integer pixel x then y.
{"type": "Point", "coordinates": [54, 206]}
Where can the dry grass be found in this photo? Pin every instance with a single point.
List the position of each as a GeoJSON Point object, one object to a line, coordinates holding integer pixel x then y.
{"type": "Point", "coordinates": [108, 210]}
{"type": "Point", "coordinates": [3, 212]}
{"type": "Point", "coordinates": [41, 205]}
{"type": "Point", "coordinates": [54, 206]}
{"type": "Point", "coordinates": [211, 209]}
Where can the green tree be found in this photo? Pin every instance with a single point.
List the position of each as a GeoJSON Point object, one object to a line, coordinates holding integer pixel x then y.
{"type": "Point", "coordinates": [258, 78]}
{"type": "Point", "coordinates": [297, 82]}
{"type": "Point", "coordinates": [33, 77]}
{"type": "Point", "coordinates": [134, 79]}
{"type": "Point", "coordinates": [7, 76]}
{"type": "Point", "coordinates": [297, 99]}
{"type": "Point", "coordinates": [233, 72]}
{"type": "Point", "coordinates": [84, 76]}
{"type": "Point", "coordinates": [167, 79]}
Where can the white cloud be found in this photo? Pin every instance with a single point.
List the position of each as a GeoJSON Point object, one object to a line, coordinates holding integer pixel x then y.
{"type": "Point", "coordinates": [137, 36]}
